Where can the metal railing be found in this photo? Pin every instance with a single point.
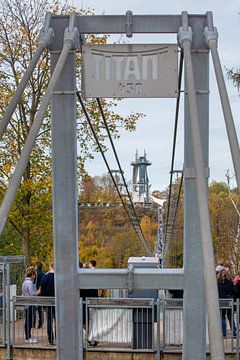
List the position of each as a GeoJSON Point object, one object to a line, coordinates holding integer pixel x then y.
{"type": "Point", "coordinates": [27, 313]}
{"type": "Point", "coordinates": [118, 324]}
{"type": "Point", "coordinates": [11, 276]}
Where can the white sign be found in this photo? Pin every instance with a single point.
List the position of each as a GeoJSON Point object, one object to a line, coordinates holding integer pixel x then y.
{"type": "Point", "coordinates": [130, 70]}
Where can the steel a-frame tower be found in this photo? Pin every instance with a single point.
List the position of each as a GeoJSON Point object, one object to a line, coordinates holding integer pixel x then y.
{"type": "Point", "coordinates": [196, 35]}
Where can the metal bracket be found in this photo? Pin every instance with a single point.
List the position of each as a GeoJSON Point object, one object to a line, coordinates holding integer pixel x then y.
{"type": "Point", "coordinates": [190, 173]}
{"type": "Point", "coordinates": [184, 35]}
{"type": "Point", "coordinates": [71, 92]}
{"type": "Point", "coordinates": [130, 279]}
{"type": "Point", "coordinates": [129, 23]}
{"type": "Point", "coordinates": [46, 34]}
{"type": "Point", "coordinates": [210, 35]}
{"type": "Point", "coordinates": [71, 33]}
{"type": "Point", "coordinates": [185, 31]}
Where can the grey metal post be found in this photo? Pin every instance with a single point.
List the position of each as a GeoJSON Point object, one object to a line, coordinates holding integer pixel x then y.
{"type": "Point", "coordinates": [45, 39]}
{"type": "Point", "coordinates": [9, 355]}
{"type": "Point", "coordinates": [4, 281]}
{"type": "Point", "coordinates": [211, 36]}
{"type": "Point", "coordinates": [198, 240]}
{"type": "Point", "coordinates": [158, 330]}
{"type": "Point", "coordinates": [64, 165]}
{"type": "Point", "coordinates": [194, 326]}
{"type": "Point", "coordinates": [237, 330]}
{"type": "Point", "coordinates": [81, 328]}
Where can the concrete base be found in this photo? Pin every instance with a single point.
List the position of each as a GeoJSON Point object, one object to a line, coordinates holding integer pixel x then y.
{"type": "Point", "coordinates": [90, 355]}
{"type": "Point", "coordinates": [29, 354]}
{"type": "Point", "coordinates": [37, 354]}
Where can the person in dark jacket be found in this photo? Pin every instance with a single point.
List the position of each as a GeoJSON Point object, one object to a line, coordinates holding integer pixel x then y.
{"type": "Point", "coordinates": [226, 290]}
{"type": "Point", "coordinates": [38, 281]}
{"type": "Point", "coordinates": [47, 289]}
{"type": "Point", "coordinates": [83, 295]}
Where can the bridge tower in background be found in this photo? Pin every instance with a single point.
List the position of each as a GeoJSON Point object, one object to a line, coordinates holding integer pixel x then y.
{"type": "Point", "coordinates": [140, 186]}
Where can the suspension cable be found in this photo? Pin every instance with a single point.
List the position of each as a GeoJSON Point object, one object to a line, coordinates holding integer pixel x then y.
{"type": "Point", "coordinates": [176, 210]}
{"type": "Point", "coordinates": [136, 220]}
{"type": "Point", "coordinates": [142, 239]}
{"type": "Point", "coordinates": [174, 139]}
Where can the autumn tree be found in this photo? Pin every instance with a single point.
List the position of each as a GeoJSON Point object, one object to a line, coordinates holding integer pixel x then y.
{"type": "Point", "coordinates": [28, 230]}
{"type": "Point", "coordinates": [234, 75]}
{"type": "Point", "coordinates": [224, 205]}
{"type": "Point", "coordinates": [105, 232]}
{"type": "Point", "coordinates": [19, 29]}
{"type": "Point", "coordinates": [174, 215]}
{"type": "Point", "coordinates": [98, 190]}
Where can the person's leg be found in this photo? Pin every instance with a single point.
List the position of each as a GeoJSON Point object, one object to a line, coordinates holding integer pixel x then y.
{"type": "Point", "coordinates": [231, 321]}
{"type": "Point", "coordinates": [40, 317]}
{"type": "Point", "coordinates": [54, 317]}
{"type": "Point", "coordinates": [224, 326]}
{"type": "Point", "coordinates": [33, 316]}
{"type": "Point", "coordinates": [26, 325]}
{"type": "Point", "coordinates": [28, 321]}
{"type": "Point", "coordinates": [50, 315]}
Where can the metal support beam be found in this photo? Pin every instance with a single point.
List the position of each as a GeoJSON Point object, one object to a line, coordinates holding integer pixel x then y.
{"type": "Point", "coordinates": [194, 326]}
{"type": "Point", "coordinates": [13, 259]}
{"type": "Point", "coordinates": [140, 279]}
{"type": "Point", "coordinates": [211, 37]}
{"type": "Point", "coordinates": [116, 24]}
{"type": "Point", "coordinates": [8, 316]}
{"type": "Point", "coordinates": [197, 202]}
{"type": "Point", "coordinates": [65, 220]}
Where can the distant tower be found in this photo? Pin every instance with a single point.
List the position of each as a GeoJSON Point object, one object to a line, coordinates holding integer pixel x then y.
{"type": "Point", "coordinates": [140, 193]}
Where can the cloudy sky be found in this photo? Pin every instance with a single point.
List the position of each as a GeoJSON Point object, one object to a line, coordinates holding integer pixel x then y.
{"type": "Point", "coordinates": [155, 132]}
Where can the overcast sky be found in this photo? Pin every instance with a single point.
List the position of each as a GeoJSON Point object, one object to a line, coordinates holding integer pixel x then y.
{"type": "Point", "coordinates": [155, 132]}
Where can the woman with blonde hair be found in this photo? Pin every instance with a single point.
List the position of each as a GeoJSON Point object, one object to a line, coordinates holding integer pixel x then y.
{"type": "Point", "coordinates": [28, 289]}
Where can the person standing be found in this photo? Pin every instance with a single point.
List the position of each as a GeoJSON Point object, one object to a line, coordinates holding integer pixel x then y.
{"type": "Point", "coordinates": [47, 289]}
{"type": "Point", "coordinates": [39, 276]}
{"type": "Point", "coordinates": [92, 293]}
{"type": "Point", "coordinates": [28, 289]}
{"type": "Point", "coordinates": [226, 290]}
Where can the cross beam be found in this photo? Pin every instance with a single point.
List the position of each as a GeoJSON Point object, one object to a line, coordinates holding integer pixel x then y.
{"type": "Point", "coordinates": [131, 279]}
{"type": "Point", "coordinates": [117, 24]}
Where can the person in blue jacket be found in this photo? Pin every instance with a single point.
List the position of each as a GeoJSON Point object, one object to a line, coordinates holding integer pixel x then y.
{"type": "Point", "coordinates": [28, 289]}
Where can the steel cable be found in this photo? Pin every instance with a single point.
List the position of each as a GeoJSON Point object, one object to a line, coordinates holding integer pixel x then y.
{"type": "Point", "coordinates": [142, 239]}
{"type": "Point", "coordinates": [174, 140]}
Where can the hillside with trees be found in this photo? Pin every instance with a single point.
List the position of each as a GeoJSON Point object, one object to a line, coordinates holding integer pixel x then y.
{"type": "Point", "coordinates": [105, 232]}
{"type": "Point", "coordinates": [224, 205]}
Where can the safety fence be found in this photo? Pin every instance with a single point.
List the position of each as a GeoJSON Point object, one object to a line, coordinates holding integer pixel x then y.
{"type": "Point", "coordinates": [11, 276]}
{"type": "Point", "coordinates": [115, 324]}
{"type": "Point", "coordinates": [120, 324]}
{"type": "Point", "coordinates": [34, 322]}
{"type": "Point", "coordinates": [148, 325]}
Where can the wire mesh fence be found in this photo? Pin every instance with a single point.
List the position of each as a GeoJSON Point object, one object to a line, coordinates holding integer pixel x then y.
{"type": "Point", "coordinates": [28, 312]}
